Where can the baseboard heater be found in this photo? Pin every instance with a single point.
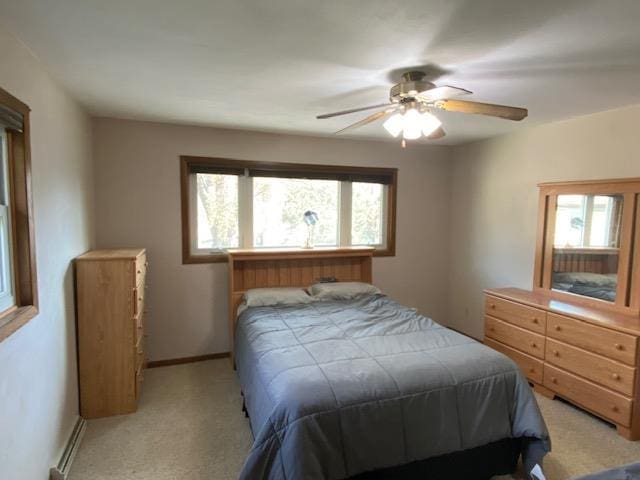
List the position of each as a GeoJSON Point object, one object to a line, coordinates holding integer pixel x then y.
{"type": "Point", "coordinates": [60, 471]}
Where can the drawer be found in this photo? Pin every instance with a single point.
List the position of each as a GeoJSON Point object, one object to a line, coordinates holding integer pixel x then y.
{"type": "Point", "coordinates": [141, 269]}
{"type": "Point", "coordinates": [615, 345]}
{"type": "Point", "coordinates": [530, 366]}
{"type": "Point", "coordinates": [608, 373]}
{"type": "Point", "coordinates": [520, 315]}
{"type": "Point", "coordinates": [139, 325]}
{"type": "Point", "coordinates": [138, 303]}
{"type": "Point", "coordinates": [140, 346]}
{"type": "Point", "coordinates": [139, 355]}
{"type": "Point", "coordinates": [595, 398]}
{"type": "Point", "coordinates": [516, 337]}
{"type": "Point", "coordinates": [139, 380]}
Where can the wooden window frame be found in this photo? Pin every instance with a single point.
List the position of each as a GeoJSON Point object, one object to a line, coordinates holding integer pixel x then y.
{"type": "Point", "coordinates": [302, 170]}
{"type": "Point", "coordinates": [22, 237]}
{"type": "Point", "coordinates": [628, 289]}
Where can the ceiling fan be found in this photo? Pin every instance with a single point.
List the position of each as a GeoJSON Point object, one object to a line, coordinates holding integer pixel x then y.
{"type": "Point", "coordinates": [409, 108]}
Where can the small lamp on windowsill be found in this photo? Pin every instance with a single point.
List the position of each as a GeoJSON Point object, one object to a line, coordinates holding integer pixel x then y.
{"type": "Point", "coordinates": [310, 218]}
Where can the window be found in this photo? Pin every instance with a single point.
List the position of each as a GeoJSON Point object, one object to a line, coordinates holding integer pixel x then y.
{"type": "Point", "coordinates": [7, 299]}
{"type": "Point", "coordinates": [217, 211]}
{"type": "Point", "coordinates": [232, 203]}
{"type": "Point", "coordinates": [367, 213]}
{"type": "Point", "coordinates": [279, 205]}
{"type": "Point", "coordinates": [18, 293]}
{"type": "Point", "coordinates": [588, 221]}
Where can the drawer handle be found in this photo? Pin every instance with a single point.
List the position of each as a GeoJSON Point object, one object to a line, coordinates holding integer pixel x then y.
{"type": "Point", "coordinates": [618, 346]}
{"type": "Point", "coordinates": [615, 376]}
{"type": "Point", "coordinates": [614, 408]}
{"type": "Point", "coordinates": [556, 353]}
{"type": "Point", "coordinates": [139, 271]}
{"type": "Point", "coordinates": [491, 329]}
{"type": "Point", "coordinates": [554, 380]}
{"type": "Point", "coordinates": [532, 370]}
{"type": "Point", "coordinates": [557, 328]}
{"type": "Point", "coordinates": [533, 344]}
{"type": "Point", "coordinates": [534, 319]}
{"type": "Point", "coordinates": [492, 305]}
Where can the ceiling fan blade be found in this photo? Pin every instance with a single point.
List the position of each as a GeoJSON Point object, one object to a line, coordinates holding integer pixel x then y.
{"type": "Point", "coordinates": [437, 133]}
{"type": "Point", "coordinates": [440, 93]}
{"type": "Point", "coordinates": [464, 106]}
{"type": "Point", "coordinates": [352, 110]}
{"type": "Point", "coordinates": [369, 119]}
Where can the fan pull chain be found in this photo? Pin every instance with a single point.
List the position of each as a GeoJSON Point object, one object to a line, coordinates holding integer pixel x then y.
{"type": "Point", "coordinates": [403, 143]}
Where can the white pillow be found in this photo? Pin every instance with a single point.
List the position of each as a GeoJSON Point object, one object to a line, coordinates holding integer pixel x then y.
{"type": "Point", "coordinates": [265, 297]}
{"type": "Point", "coordinates": [342, 290]}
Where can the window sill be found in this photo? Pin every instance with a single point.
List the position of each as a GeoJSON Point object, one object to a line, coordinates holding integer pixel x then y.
{"type": "Point", "coordinates": [190, 259]}
{"type": "Point", "coordinates": [13, 319]}
{"type": "Point", "coordinates": [212, 258]}
{"type": "Point", "coordinates": [384, 252]}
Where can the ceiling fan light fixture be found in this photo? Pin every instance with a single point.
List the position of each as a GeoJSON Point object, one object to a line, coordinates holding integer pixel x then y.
{"type": "Point", "coordinates": [412, 124]}
{"type": "Point", "coordinates": [429, 123]}
{"type": "Point", "coordinates": [407, 110]}
{"type": "Point", "coordinates": [394, 124]}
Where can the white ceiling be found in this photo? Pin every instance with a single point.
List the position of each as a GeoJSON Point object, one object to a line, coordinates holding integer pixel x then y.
{"type": "Point", "coordinates": [274, 64]}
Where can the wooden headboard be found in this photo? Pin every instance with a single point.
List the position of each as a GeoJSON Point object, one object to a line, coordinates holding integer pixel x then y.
{"type": "Point", "coordinates": [594, 260]}
{"type": "Point", "coordinates": [259, 268]}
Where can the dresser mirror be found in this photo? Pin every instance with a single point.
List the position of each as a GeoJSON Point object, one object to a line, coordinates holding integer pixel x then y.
{"type": "Point", "coordinates": [588, 241]}
{"type": "Point", "coordinates": [586, 245]}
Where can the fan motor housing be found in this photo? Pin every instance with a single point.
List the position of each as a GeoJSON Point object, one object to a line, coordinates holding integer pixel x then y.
{"type": "Point", "coordinates": [409, 89]}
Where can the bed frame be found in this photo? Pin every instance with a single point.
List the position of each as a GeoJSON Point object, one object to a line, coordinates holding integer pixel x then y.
{"type": "Point", "coordinates": [299, 267]}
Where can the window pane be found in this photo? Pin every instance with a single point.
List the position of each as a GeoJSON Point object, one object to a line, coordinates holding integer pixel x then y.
{"type": "Point", "coordinates": [279, 205]}
{"type": "Point", "coordinates": [217, 211]}
{"type": "Point", "coordinates": [5, 269]}
{"type": "Point", "coordinates": [367, 213]}
{"type": "Point", "coordinates": [7, 299]}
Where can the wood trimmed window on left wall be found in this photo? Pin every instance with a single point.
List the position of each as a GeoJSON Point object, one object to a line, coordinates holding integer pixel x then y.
{"type": "Point", "coordinates": [18, 283]}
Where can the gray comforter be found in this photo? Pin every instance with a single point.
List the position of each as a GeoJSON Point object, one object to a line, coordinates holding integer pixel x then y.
{"type": "Point", "coordinates": [336, 388]}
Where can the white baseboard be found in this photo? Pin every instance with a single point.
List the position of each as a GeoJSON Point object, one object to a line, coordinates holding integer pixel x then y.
{"type": "Point", "coordinates": [60, 471]}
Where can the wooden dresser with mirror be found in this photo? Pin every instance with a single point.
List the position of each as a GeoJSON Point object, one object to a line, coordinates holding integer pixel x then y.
{"type": "Point", "coordinates": [575, 334]}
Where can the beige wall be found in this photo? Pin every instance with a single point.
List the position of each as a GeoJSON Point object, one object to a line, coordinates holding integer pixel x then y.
{"type": "Point", "coordinates": [494, 198]}
{"type": "Point", "coordinates": [38, 385]}
{"type": "Point", "coordinates": [138, 203]}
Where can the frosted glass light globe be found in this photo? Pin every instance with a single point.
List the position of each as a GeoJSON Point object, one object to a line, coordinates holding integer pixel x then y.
{"type": "Point", "coordinates": [412, 127]}
{"type": "Point", "coordinates": [394, 123]}
{"type": "Point", "coordinates": [429, 123]}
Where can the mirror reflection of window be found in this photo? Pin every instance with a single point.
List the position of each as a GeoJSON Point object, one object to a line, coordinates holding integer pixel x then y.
{"type": "Point", "coordinates": [586, 245]}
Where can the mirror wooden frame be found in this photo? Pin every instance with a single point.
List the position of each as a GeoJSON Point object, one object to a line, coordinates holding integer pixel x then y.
{"type": "Point", "coordinates": [628, 288]}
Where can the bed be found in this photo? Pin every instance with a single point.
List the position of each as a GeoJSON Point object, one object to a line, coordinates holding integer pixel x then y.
{"type": "Point", "coordinates": [595, 285]}
{"type": "Point", "coordinates": [368, 388]}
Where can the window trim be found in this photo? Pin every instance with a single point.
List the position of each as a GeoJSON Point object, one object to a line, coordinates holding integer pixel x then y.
{"type": "Point", "coordinates": [303, 170]}
{"type": "Point", "coordinates": [22, 225]}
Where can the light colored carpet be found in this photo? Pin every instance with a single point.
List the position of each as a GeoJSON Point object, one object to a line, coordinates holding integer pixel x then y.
{"type": "Point", "coordinates": [189, 426]}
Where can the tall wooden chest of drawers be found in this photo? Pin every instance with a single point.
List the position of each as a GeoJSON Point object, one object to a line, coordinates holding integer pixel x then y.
{"type": "Point", "coordinates": [589, 357]}
{"type": "Point", "coordinates": [110, 302]}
